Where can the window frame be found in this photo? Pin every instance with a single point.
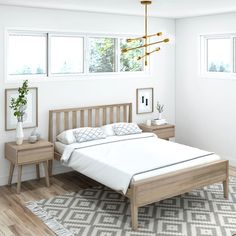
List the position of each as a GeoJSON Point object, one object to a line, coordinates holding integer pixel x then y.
{"type": "Point", "coordinates": [24, 33]}
{"type": "Point", "coordinates": [49, 76]}
{"type": "Point", "coordinates": [115, 54]}
{"type": "Point", "coordinates": [50, 35]}
{"type": "Point", "coordinates": [204, 73]}
{"type": "Point", "coordinates": [146, 69]}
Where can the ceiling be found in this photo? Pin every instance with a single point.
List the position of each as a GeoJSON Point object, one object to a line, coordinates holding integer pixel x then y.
{"type": "Point", "coordinates": [159, 8]}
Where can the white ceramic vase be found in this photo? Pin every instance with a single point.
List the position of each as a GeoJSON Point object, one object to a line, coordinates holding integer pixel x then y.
{"type": "Point", "coordinates": [19, 133]}
{"type": "Point", "coordinates": [159, 116]}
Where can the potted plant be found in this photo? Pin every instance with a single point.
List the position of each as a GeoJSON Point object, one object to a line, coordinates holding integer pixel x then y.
{"type": "Point", "coordinates": [19, 105]}
{"type": "Point", "coordinates": [160, 109]}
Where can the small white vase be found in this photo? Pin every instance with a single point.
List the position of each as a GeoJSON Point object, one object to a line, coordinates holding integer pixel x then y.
{"type": "Point", "coordinates": [159, 116]}
{"type": "Point", "coordinates": [19, 133]}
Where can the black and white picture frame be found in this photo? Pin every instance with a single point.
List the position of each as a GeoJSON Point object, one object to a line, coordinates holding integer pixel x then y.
{"type": "Point", "coordinates": [144, 100]}
{"type": "Point", "coordinates": [31, 119]}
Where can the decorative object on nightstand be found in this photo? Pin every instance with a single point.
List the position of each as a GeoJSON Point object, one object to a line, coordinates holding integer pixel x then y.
{"type": "Point", "coordinates": [35, 133]}
{"type": "Point", "coordinates": [34, 136]}
{"type": "Point", "coordinates": [160, 122]}
{"type": "Point", "coordinates": [166, 131]}
{"type": "Point", "coordinates": [160, 109]}
{"type": "Point", "coordinates": [33, 139]}
{"type": "Point", "coordinates": [27, 153]}
{"type": "Point", "coordinates": [19, 105]}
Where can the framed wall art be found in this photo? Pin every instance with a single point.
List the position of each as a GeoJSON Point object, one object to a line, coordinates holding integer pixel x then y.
{"type": "Point", "coordinates": [144, 100]}
{"type": "Point", "coordinates": [31, 118]}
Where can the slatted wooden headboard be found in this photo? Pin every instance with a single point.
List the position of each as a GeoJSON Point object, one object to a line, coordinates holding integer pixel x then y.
{"type": "Point", "coordinates": [63, 119]}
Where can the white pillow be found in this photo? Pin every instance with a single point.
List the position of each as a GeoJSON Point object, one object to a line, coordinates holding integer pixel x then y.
{"type": "Point", "coordinates": [88, 134]}
{"type": "Point", "coordinates": [66, 137]}
{"type": "Point", "coordinates": [126, 129]}
{"type": "Point", "coordinates": [108, 130]}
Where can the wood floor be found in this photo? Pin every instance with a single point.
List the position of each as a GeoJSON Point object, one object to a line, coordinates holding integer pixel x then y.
{"type": "Point", "coordinates": [15, 219]}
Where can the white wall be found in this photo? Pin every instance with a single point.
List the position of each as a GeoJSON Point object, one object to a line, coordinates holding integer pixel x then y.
{"type": "Point", "coordinates": [87, 91]}
{"type": "Point", "coordinates": [205, 108]}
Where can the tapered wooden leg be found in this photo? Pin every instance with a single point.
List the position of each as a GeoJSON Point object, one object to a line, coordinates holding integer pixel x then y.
{"type": "Point", "coordinates": [19, 169]}
{"type": "Point", "coordinates": [45, 164]}
{"type": "Point", "coordinates": [226, 188]}
{"type": "Point", "coordinates": [11, 170]}
{"type": "Point", "coordinates": [37, 171]}
{"type": "Point", "coordinates": [134, 215]}
{"type": "Point", "coordinates": [50, 165]}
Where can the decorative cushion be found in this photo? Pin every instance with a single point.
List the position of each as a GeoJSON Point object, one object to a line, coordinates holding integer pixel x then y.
{"type": "Point", "coordinates": [126, 129]}
{"type": "Point", "coordinates": [88, 134]}
{"type": "Point", "coordinates": [108, 130]}
{"type": "Point", "coordinates": [66, 137]}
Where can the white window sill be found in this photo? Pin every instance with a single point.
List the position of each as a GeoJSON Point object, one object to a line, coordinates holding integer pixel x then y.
{"type": "Point", "coordinates": [218, 75]}
{"type": "Point", "coordinates": [78, 77]}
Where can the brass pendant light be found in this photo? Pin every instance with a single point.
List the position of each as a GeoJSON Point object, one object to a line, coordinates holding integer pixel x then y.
{"type": "Point", "coordinates": [146, 45]}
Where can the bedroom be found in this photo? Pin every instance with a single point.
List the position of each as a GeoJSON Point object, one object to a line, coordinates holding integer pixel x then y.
{"type": "Point", "coordinates": [200, 106]}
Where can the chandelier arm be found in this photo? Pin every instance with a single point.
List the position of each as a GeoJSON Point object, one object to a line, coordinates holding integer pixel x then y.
{"type": "Point", "coordinates": [143, 37]}
{"type": "Point", "coordinates": [145, 45]}
{"type": "Point", "coordinates": [155, 50]}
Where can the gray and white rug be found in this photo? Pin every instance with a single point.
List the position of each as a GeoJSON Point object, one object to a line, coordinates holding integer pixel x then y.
{"type": "Point", "coordinates": [103, 212]}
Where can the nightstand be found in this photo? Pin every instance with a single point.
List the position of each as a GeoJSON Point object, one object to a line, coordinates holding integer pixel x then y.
{"type": "Point", "coordinates": [26, 154]}
{"type": "Point", "coordinates": [166, 131]}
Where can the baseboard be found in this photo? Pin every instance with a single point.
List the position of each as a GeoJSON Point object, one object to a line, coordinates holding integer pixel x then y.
{"type": "Point", "coordinates": [31, 174]}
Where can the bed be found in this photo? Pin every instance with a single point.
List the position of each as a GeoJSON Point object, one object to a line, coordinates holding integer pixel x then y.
{"type": "Point", "coordinates": [171, 179]}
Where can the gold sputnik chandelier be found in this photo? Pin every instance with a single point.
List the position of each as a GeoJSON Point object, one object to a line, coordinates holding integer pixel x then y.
{"type": "Point", "coordinates": [145, 38]}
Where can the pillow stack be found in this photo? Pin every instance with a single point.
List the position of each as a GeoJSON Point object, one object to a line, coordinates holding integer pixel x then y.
{"type": "Point", "coordinates": [86, 134]}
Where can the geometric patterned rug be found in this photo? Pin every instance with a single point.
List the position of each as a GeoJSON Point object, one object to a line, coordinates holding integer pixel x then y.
{"type": "Point", "coordinates": [103, 212]}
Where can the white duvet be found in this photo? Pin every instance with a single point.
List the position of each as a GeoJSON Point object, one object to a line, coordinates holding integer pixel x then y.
{"type": "Point", "coordinates": [115, 160]}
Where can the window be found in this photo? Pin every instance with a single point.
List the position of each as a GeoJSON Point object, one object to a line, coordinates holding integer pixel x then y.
{"type": "Point", "coordinates": [50, 54]}
{"type": "Point", "coordinates": [67, 55]}
{"type": "Point", "coordinates": [27, 54]}
{"type": "Point", "coordinates": [101, 55]}
{"type": "Point", "coordinates": [128, 60]}
{"type": "Point", "coordinates": [217, 57]}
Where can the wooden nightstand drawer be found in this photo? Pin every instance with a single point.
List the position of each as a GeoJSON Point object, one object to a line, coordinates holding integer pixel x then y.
{"type": "Point", "coordinates": [35, 155]}
{"type": "Point", "coordinates": [165, 133]}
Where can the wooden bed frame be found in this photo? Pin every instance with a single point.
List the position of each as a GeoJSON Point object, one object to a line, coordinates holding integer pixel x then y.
{"type": "Point", "coordinates": [152, 189]}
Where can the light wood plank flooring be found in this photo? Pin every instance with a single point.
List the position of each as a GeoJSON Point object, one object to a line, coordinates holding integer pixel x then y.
{"type": "Point", "coordinates": [15, 219]}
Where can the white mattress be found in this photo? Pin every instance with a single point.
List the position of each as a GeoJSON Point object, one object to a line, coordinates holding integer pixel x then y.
{"type": "Point", "coordinates": [60, 147]}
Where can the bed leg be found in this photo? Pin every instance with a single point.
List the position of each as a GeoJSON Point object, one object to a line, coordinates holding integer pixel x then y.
{"type": "Point", "coordinates": [134, 215]}
{"type": "Point", "coordinates": [226, 188]}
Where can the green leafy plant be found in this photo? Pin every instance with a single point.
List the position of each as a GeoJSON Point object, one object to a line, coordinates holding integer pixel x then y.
{"type": "Point", "coordinates": [19, 104]}
{"type": "Point", "coordinates": [159, 107]}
